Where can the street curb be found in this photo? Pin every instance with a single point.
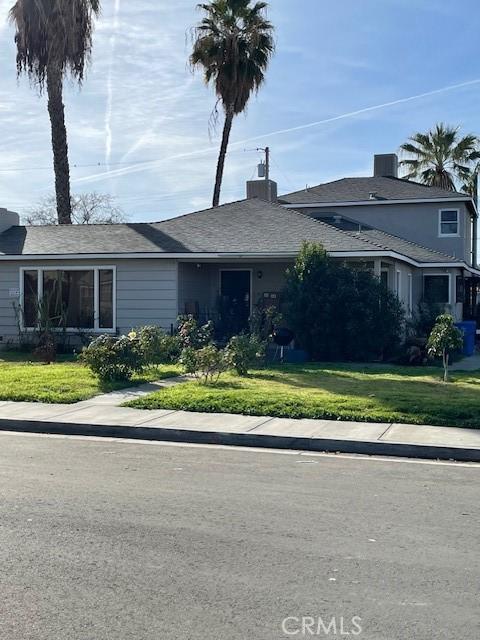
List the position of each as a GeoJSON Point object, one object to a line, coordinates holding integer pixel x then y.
{"type": "Point", "coordinates": [369, 447]}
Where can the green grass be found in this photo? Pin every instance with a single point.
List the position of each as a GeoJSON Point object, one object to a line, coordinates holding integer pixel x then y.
{"type": "Point", "coordinates": [66, 381]}
{"type": "Point", "coordinates": [344, 392]}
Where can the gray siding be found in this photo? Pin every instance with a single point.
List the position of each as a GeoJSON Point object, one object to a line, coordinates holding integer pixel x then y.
{"type": "Point", "coordinates": [146, 291]}
{"type": "Point", "coordinates": [416, 222]}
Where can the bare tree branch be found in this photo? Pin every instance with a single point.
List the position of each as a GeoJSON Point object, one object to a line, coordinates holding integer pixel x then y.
{"type": "Point", "coordinates": [87, 208]}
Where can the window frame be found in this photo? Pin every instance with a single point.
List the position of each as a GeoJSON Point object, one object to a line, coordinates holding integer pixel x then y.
{"type": "Point", "coordinates": [439, 275]}
{"type": "Point", "coordinates": [96, 294]}
{"type": "Point", "coordinates": [410, 295]}
{"type": "Point", "coordinates": [440, 221]}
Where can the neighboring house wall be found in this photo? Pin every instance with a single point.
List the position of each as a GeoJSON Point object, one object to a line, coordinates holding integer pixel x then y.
{"type": "Point", "coordinates": [146, 291]}
{"type": "Point", "coordinates": [418, 222]}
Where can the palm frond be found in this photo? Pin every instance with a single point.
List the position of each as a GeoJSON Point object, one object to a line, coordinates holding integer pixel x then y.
{"type": "Point", "coordinates": [233, 45]}
{"type": "Point", "coordinates": [440, 157]}
{"type": "Point", "coordinates": [53, 33]}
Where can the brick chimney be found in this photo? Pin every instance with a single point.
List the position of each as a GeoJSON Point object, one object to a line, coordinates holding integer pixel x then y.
{"type": "Point", "coordinates": [263, 189]}
{"type": "Point", "coordinates": [385, 165]}
{"type": "Point", "coordinates": [8, 219]}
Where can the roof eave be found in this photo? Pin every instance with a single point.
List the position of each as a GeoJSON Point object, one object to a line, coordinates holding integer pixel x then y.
{"type": "Point", "coordinates": [370, 253]}
{"type": "Point", "coordinates": [349, 203]}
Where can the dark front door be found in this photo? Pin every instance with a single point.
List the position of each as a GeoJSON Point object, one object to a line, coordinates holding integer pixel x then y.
{"type": "Point", "coordinates": [235, 301]}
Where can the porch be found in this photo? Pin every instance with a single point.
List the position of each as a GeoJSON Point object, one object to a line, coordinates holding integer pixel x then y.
{"type": "Point", "coordinates": [227, 292]}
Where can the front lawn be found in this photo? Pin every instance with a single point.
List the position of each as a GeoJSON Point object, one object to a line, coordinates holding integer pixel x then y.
{"type": "Point", "coordinates": [344, 392]}
{"type": "Point", "coordinates": [66, 381]}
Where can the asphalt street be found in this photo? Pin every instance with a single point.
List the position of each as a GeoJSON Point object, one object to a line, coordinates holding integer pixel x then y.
{"type": "Point", "coordinates": [145, 541]}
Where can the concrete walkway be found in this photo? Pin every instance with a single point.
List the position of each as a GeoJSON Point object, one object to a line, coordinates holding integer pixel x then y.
{"type": "Point", "coordinates": [471, 363]}
{"type": "Point", "coordinates": [102, 416]}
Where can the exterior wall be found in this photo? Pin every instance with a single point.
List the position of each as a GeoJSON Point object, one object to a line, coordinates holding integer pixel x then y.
{"type": "Point", "coordinates": [146, 291]}
{"type": "Point", "coordinates": [415, 222]}
{"type": "Point", "coordinates": [202, 284]}
{"type": "Point", "coordinates": [154, 291]}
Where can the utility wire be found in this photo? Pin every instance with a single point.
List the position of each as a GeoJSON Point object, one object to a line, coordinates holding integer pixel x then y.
{"type": "Point", "coordinates": [99, 164]}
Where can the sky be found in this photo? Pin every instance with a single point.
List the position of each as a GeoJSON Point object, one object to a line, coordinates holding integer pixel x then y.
{"type": "Point", "coordinates": [349, 79]}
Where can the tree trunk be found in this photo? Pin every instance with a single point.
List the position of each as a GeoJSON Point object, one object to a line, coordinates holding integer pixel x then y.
{"type": "Point", "coordinates": [56, 111]}
{"type": "Point", "coordinates": [227, 127]}
{"type": "Point", "coordinates": [445, 366]}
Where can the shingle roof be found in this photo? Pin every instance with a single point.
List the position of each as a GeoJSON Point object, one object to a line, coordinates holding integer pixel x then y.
{"type": "Point", "coordinates": [243, 227]}
{"type": "Point", "coordinates": [400, 245]}
{"type": "Point", "coordinates": [247, 226]}
{"type": "Point", "coordinates": [359, 190]}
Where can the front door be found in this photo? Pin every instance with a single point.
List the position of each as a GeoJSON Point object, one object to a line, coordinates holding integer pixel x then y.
{"type": "Point", "coordinates": [235, 296]}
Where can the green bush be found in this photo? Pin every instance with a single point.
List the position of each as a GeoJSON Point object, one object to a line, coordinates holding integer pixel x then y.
{"type": "Point", "coordinates": [339, 313]}
{"type": "Point", "coordinates": [264, 319]}
{"type": "Point", "coordinates": [114, 358]}
{"type": "Point", "coordinates": [424, 318]}
{"type": "Point", "coordinates": [192, 335]}
{"type": "Point", "coordinates": [244, 352]}
{"type": "Point", "coordinates": [157, 347]}
{"type": "Point", "coordinates": [206, 364]}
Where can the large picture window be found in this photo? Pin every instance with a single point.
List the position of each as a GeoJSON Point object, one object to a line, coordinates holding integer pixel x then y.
{"type": "Point", "coordinates": [80, 298]}
{"type": "Point", "coordinates": [436, 289]}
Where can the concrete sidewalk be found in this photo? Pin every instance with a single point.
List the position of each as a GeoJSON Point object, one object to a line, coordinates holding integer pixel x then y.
{"type": "Point", "coordinates": [102, 416]}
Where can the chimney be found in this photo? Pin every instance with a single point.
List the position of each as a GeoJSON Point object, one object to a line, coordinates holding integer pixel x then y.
{"type": "Point", "coordinates": [8, 219]}
{"type": "Point", "coordinates": [385, 165]}
{"type": "Point", "coordinates": [262, 189]}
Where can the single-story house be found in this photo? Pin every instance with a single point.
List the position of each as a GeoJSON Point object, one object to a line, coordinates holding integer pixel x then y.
{"type": "Point", "coordinates": [110, 278]}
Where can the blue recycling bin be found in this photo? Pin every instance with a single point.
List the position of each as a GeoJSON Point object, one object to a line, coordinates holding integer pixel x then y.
{"type": "Point", "coordinates": [469, 328]}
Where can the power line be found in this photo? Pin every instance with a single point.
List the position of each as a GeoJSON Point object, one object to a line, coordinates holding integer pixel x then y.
{"type": "Point", "coordinates": [100, 164]}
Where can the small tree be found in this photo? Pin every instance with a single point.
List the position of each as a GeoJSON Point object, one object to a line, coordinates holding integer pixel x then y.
{"type": "Point", "coordinates": [444, 338]}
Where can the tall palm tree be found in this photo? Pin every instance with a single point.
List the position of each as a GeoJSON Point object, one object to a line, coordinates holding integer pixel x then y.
{"type": "Point", "coordinates": [440, 157]}
{"type": "Point", "coordinates": [470, 183]}
{"type": "Point", "coordinates": [54, 39]}
{"type": "Point", "coordinates": [233, 45]}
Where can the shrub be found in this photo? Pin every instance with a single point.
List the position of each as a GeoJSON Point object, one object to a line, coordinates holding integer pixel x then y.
{"type": "Point", "coordinates": [206, 364]}
{"type": "Point", "coordinates": [192, 335]}
{"type": "Point", "coordinates": [424, 318]}
{"type": "Point", "coordinates": [114, 358]}
{"type": "Point", "coordinates": [339, 313]}
{"type": "Point", "coordinates": [157, 347]}
{"type": "Point", "coordinates": [243, 352]}
{"type": "Point", "coordinates": [444, 338]}
{"type": "Point", "coordinates": [263, 321]}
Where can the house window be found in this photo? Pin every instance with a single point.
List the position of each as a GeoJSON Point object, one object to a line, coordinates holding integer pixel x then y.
{"type": "Point", "coordinates": [384, 277]}
{"type": "Point", "coordinates": [105, 294]}
{"type": "Point", "coordinates": [436, 289]}
{"type": "Point", "coordinates": [448, 222]}
{"type": "Point", "coordinates": [80, 298]}
{"type": "Point", "coordinates": [30, 297]}
{"type": "Point", "coordinates": [69, 298]}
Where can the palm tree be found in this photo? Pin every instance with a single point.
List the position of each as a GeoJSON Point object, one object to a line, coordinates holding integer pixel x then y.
{"type": "Point", "coordinates": [470, 183]}
{"type": "Point", "coordinates": [233, 45]}
{"type": "Point", "coordinates": [440, 157]}
{"type": "Point", "coordinates": [54, 39]}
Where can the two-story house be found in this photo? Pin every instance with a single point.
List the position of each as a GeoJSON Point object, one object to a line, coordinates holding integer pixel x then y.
{"type": "Point", "coordinates": [389, 211]}
{"type": "Point", "coordinates": [110, 278]}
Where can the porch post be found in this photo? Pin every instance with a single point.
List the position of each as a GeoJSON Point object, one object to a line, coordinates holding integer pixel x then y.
{"type": "Point", "coordinates": [377, 267]}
